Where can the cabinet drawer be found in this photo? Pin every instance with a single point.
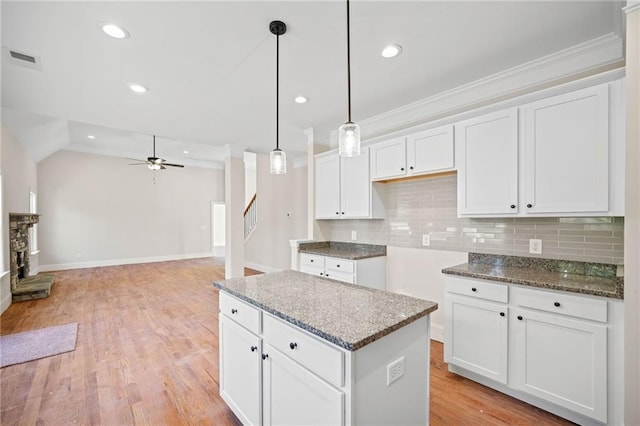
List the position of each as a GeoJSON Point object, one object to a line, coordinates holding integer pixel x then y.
{"type": "Point", "coordinates": [478, 289]}
{"type": "Point", "coordinates": [311, 260]}
{"type": "Point", "coordinates": [312, 269]}
{"type": "Point", "coordinates": [340, 265]}
{"type": "Point", "coordinates": [560, 303]}
{"type": "Point", "coordinates": [340, 276]}
{"type": "Point", "coordinates": [241, 312]}
{"type": "Point", "coordinates": [322, 359]}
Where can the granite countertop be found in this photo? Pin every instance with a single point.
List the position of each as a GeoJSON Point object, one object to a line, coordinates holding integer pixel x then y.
{"type": "Point", "coordinates": [347, 315]}
{"type": "Point", "coordinates": [574, 277]}
{"type": "Point", "coordinates": [343, 250]}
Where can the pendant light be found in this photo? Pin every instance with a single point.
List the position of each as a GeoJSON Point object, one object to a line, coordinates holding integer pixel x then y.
{"type": "Point", "coordinates": [349, 132]}
{"type": "Point", "coordinates": [278, 157]}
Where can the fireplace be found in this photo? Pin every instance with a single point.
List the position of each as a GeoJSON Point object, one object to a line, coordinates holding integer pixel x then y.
{"type": "Point", "coordinates": [23, 285]}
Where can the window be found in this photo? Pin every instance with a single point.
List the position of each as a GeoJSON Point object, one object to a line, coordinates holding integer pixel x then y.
{"type": "Point", "coordinates": [33, 231]}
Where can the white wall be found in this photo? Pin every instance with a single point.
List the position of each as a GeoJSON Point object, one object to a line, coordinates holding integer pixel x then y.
{"type": "Point", "coordinates": [98, 210]}
{"type": "Point", "coordinates": [19, 177]}
{"type": "Point", "coordinates": [277, 195]}
{"type": "Point", "coordinates": [417, 272]}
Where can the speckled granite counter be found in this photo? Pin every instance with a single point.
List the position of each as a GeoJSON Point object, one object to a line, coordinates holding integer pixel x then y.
{"type": "Point", "coordinates": [575, 277]}
{"type": "Point", "coordinates": [347, 315]}
{"type": "Point", "coordinates": [352, 251]}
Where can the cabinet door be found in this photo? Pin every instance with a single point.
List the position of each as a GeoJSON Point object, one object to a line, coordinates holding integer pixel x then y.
{"type": "Point", "coordinates": [476, 336]}
{"type": "Point", "coordinates": [430, 151]}
{"type": "Point", "coordinates": [487, 162]}
{"type": "Point", "coordinates": [566, 143]}
{"type": "Point", "coordinates": [355, 185]}
{"type": "Point", "coordinates": [240, 372]}
{"type": "Point", "coordinates": [561, 360]}
{"type": "Point", "coordinates": [328, 187]}
{"type": "Point", "coordinates": [295, 396]}
{"type": "Point", "coordinates": [388, 159]}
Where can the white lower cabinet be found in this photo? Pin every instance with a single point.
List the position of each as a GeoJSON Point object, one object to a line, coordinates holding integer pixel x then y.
{"type": "Point", "coordinates": [370, 272]}
{"type": "Point", "coordinates": [553, 349]}
{"type": "Point", "coordinates": [279, 374]}
{"type": "Point", "coordinates": [293, 393]}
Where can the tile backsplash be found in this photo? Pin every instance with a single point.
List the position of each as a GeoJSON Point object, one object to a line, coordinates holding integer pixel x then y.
{"type": "Point", "coordinates": [428, 206]}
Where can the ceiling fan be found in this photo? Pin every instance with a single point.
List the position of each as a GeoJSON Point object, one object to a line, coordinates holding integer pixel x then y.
{"type": "Point", "coordinates": [155, 163]}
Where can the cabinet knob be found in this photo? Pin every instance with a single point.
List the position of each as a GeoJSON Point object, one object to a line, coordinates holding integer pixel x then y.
{"type": "Point", "coordinates": [337, 266]}
{"type": "Point", "coordinates": [520, 317]}
{"type": "Point", "coordinates": [501, 314]}
{"type": "Point", "coordinates": [293, 345]}
{"type": "Point", "coordinates": [474, 289]}
{"type": "Point", "coordinates": [342, 212]}
{"type": "Point", "coordinates": [326, 275]}
{"type": "Point", "coordinates": [254, 348]}
{"type": "Point", "coordinates": [234, 311]}
{"type": "Point", "coordinates": [402, 169]}
{"type": "Point", "coordinates": [556, 304]}
{"type": "Point", "coordinates": [529, 206]}
{"type": "Point", "coordinates": [321, 274]}
{"type": "Point", "coordinates": [411, 168]}
{"type": "Point", "coordinates": [337, 213]}
{"type": "Point", "coordinates": [513, 206]}
{"type": "Point", "coordinates": [265, 356]}
{"type": "Point", "coordinates": [311, 260]}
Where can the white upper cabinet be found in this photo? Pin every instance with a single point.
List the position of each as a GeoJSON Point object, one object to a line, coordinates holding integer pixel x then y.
{"type": "Point", "coordinates": [566, 152]}
{"type": "Point", "coordinates": [429, 151]}
{"type": "Point", "coordinates": [344, 189]}
{"type": "Point", "coordinates": [559, 156]}
{"type": "Point", "coordinates": [487, 155]}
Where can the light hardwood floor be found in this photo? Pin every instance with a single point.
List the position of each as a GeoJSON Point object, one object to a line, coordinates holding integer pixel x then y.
{"type": "Point", "coordinates": [147, 353]}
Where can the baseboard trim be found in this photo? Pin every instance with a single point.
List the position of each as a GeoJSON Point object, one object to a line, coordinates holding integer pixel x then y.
{"type": "Point", "coordinates": [116, 262]}
{"type": "Point", "coordinates": [6, 302]}
{"type": "Point", "coordinates": [437, 332]}
{"type": "Point", "coordinates": [261, 268]}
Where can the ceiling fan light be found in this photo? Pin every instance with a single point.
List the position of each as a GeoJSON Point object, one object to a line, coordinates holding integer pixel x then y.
{"type": "Point", "coordinates": [154, 166]}
{"type": "Point", "coordinates": [349, 140]}
{"type": "Point", "coordinates": [278, 160]}
{"type": "Point", "coordinates": [113, 30]}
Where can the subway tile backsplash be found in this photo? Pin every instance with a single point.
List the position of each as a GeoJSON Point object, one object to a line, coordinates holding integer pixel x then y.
{"type": "Point", "coordinates": [428, 206]}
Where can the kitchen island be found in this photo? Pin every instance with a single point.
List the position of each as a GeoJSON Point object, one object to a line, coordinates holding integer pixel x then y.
{"type": "Point", "coordinates": [300, 349]}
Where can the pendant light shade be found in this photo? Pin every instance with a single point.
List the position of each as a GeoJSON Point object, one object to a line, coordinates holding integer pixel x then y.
{"type": "Point", "coordinates": [278, 160]}
{"type": "Point", "coordinates": [278, 157]}
{"type": "Point", "coordinates": [349, 132]}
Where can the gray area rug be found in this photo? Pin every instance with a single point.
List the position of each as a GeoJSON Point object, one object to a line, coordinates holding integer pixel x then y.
{"type": "Point", "coordinates": [29, 345]}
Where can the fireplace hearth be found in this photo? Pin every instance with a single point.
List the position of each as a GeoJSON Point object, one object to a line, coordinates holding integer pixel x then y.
{"type": "Point", "coordinates": [24, 286]}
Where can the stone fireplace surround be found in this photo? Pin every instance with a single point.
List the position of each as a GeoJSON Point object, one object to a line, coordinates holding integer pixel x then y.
{"type": "Point", "coordinates": [24, 286]}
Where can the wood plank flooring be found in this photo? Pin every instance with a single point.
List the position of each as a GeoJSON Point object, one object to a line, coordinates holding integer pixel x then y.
{"type": "Point", "coordinates": [147, 353]}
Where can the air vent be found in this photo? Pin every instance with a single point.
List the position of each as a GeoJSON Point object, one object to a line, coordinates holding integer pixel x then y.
{"type": "Point", "coordinates": [21, 59]}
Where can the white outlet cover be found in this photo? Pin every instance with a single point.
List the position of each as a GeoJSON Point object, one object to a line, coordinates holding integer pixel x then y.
{"type": "Point", "coordinates": [353, 235]}
{"type": "Point", "coordinates": [535, 246]}
{"type": "Point", "coordinates": [426, 239]}
{"type": "Point", "coordinates": [395, 370]}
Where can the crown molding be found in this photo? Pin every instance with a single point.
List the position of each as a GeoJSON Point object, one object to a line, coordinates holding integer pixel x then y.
{"type": "Point", "coordinates": [594, 55]}
{"type": "Point", "coordinates": [632, 6]}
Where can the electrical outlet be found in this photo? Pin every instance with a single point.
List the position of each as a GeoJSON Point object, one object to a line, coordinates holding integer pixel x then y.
{"type": "Point", "coordinates": [353, 235]}
{"type": "Point", "coordinates": [395, 370]}
{"type": "Point", "coordinates": [535, 246]}
{"type": "Point", "coordinates": [426, 239]}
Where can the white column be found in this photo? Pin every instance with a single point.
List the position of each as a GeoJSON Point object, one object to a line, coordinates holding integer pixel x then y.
{"type": "Point", "coordinates": [234, 208]}
{"type": "Point", "coordinates": [632, 220]}
{"type": "Point", "coordinates": [313, 231]}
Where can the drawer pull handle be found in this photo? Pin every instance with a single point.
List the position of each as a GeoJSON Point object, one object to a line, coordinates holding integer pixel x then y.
{"type": "Point", "coordinates": [402, 169]}
{"type": "Point", "coordinates": [321, 274]}
{"type": "Point", "coordinates": [254, 348]}
{"type": "Point", "coordinates": [293, 345]}
{"type": "Point", "coordinates": [474, 289]}
{"type": "Point", "coordinates": [311, 260]}
{"type": "Point", "coordinates": [520, 317]}
{"type": "Point", "coordinates": [411, 168]}
{"type": "Point", "coordinates": [529, 206]}
{"type": "Point", "coordinates": [326, 275]}
{"type": "Point", "coordinates": [342, 212]}
{"type": "Point", "coordinates": [234, 311]}
{"type": "Point", "coordinates": [337, 212]}
{"type": "Point", "coordinates": [338, 266]}
{"type": "Point", "coordinates": [513, 206]}
{"type": "Point", "coordinates": [556, 304]}
{"type": "Point", "coordinates": [265, 356]}
{"type": "Point", "coordinates": [501, 314]}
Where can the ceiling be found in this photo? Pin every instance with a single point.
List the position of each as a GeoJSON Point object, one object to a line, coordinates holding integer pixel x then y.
{"type": "Point", "coordinates": [210, 67]}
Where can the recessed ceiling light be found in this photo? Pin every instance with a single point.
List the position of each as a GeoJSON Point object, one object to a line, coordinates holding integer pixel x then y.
{"type": "Point", "coordinates": [138, 88]}
{"type": "Point", "coordinates": [91, 137]}
{"type": "Point", "coordinates": [186, 152]}
{"type": "Point", "coordinates": [301, 100]}
{"type": "Point", "coordinates": [112, 30]}
{"type": "Point", "coordinates": [391, 51]}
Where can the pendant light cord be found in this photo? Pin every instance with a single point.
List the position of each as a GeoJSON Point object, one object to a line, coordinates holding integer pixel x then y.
{"type": "Point", "coordinates": [348, 62]}
{"type": "Point", "coordinates": [277, 92]}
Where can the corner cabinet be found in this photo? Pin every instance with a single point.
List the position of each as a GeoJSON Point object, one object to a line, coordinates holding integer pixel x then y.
{"type": "Point", "coordinates": [425, 152]}
{"type": "Point", "coordinates": [559, 156]}
{"type": "Point", "coordinates": [344, 189]}
{"type": "Point", "coordinates": [558, 351]}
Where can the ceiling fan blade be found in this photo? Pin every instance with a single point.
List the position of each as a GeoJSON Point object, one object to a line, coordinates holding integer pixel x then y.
{"type": "Point", "coordinates": [172, 165]}
{"type": "Point", "coordinates": [137, 164]}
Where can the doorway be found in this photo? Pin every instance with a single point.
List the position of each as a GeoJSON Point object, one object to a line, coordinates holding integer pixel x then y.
{"type": "Point", "coordinates": [218, 236]}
